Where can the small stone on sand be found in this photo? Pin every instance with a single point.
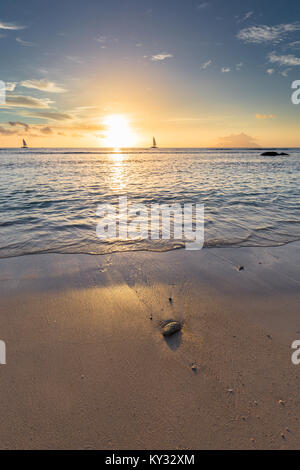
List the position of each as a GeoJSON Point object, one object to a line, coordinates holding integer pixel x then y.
{"type": "Point", "coordinates": [240, 268]}
{"type": "Point", "coordinates": [171, 328]}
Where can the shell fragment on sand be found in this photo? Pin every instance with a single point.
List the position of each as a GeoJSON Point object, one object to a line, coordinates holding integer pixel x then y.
{"type": "Point", "coordinates": [171, 328]}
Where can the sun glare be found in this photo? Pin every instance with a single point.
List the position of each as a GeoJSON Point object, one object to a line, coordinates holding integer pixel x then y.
{"type": "Point", "coordinates": [119, 132]}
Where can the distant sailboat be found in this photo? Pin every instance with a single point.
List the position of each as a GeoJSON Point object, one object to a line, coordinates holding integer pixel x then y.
{"type": "Point", "coordinates": [154, 145]}
{"type": "Point", "coordinates": [25, 146]}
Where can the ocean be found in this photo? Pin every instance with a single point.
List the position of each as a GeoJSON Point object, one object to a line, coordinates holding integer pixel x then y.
{"type": "Point", "coordinates": [49, 197]}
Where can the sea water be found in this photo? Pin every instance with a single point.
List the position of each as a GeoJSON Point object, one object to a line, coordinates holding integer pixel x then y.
{"type": "Point", "coordinates": [49, 197]}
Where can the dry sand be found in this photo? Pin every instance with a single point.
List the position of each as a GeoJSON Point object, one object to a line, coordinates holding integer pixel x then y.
{"type": "Point", "coordinates": [87, 368]}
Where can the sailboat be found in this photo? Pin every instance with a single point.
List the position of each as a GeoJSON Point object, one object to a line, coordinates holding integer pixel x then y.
{"type": "Point", "coordinates": [154, 145]}
{"type": "Point", "coordinates": [25, 146]}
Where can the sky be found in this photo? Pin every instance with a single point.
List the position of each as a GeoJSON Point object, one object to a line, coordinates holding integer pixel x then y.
{"type": "Point", "coordinates": [100, 73]}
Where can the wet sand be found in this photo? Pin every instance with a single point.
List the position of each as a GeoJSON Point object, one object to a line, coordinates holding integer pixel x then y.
{"type": "Point", "coordinates": [87, 367]}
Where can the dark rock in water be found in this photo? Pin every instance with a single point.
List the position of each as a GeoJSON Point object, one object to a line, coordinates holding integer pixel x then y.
{"type": "Point", "coordinates": [171, 328]}
{"type": "Point", "coordinates": [273, 154]}
{"type": "Point", "coordinates": [269, 154]}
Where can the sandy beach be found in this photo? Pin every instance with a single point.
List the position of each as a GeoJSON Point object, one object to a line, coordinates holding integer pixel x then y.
{"type": "Point", "coordinates": [88, 368]}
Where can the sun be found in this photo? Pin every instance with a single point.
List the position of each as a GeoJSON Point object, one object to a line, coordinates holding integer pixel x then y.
{"type": "Point", "coordinates": [118, 132]}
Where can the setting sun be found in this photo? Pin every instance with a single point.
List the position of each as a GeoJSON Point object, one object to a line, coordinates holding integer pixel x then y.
{"type": "Point", "coordinates": [119, 132]}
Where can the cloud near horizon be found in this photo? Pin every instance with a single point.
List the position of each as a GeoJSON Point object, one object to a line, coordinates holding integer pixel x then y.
{"type": "Point", "coordinates": [237, 140]}
{"type": "Point", "coordinates": [19, 128]}
{"type": "Point", "coordinates": [265, 116]}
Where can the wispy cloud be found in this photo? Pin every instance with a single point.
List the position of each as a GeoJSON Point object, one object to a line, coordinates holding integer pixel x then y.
{"type": "Point", "coordinates": [21, 101]}
{"type": "Point", "coordinates": [225, 69]}
{"type": "Point", "coordinates": [163, 56]}
{"type": "Point", "coordinates": [53, 116]}
{"type": "Point", "coordinates": [10, 86]}
{"type": "Point", "coordinates": [202, 6]}
{"type": "Point", "coordinates": [239, 66]}
{"type": "Point", "coordinates": [245, 17]}
{"type": "Point", "coordinates": [43, 85]}
{"type": "Point", "coordinates": [101, 39]}
{"type": "Point", "coordinates": [11, 26]}
{"type": "Point", "coordinates": [23, 125]}
{"type": "Point", "coordinates": [106, 40]}
{"type": "Point", "coordinates": [295, 45]}
{"type": "Point", "coordinates": [25, 43]}
{"type": "Point", "coordinates": [262, 117]}
{"type": "Point", "coordinates": [205, 65]}
{"type": "Point", "coordinates": [214, 118]}
{"type": "Point", "coordinates": [248, 15]}
{"type": "Point", "coordinates": [270, 71]}
{"type": "Point", "coordinates": [284, 60]}
{"type": "Point", "coordinates": [75, 59]}
{"type": "Point", "coordinates": [46, 130]}
{"type": "Point", "coordinates": [5, 131]}
{"type": "Point", "coordinates": [267, 34]}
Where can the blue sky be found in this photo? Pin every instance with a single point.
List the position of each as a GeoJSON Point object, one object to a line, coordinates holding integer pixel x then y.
{"type": "Point", "coordinates": [195, 73]}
